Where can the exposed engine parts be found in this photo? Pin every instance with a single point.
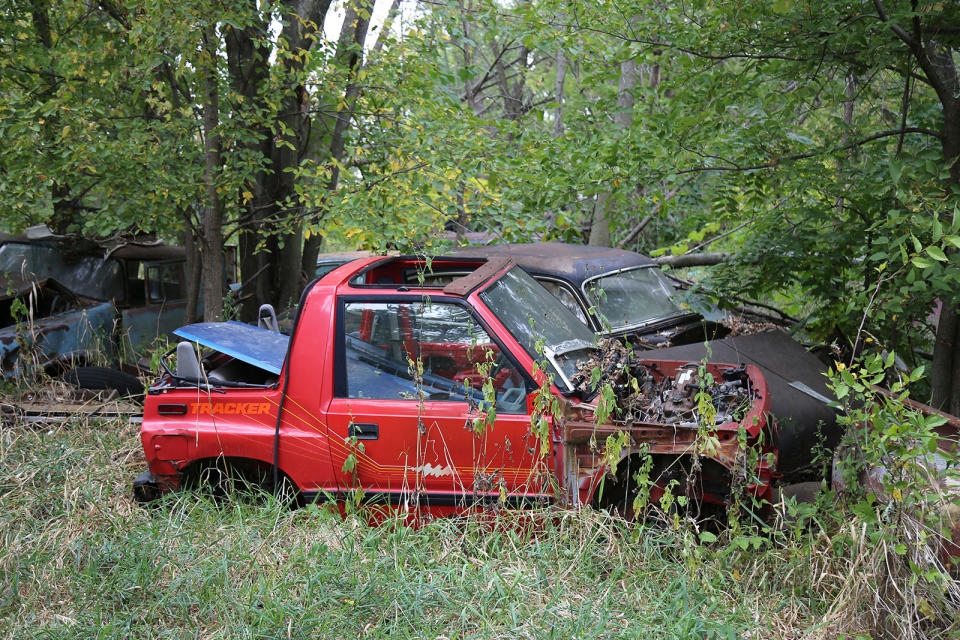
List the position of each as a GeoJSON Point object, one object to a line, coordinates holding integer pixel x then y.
{"type": "Point", "coordinates": [645, 394]}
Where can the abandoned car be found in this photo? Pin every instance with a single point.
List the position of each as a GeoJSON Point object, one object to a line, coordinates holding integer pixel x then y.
{"type": "Point", "coordinates": [618, 293]}
{"type": "Point", "coordinates": [69, 303]}
{"type": "Point", "coordinates": [477, 392]}
{"type": "Point", "coordinates": [624, 295]}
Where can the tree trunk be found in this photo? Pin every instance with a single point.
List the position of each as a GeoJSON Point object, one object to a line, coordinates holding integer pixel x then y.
{"type": "Point", "coordinates": [471, 89]}
{"type": "Point", "coordinates": [623, 120]}
{"type": "Point", "coordinates": [350, 54]}
{"type": "Point", "coordinates": [511, 94]}
{"type": "Point", "coordinates": [558, 92]}
{"type": "Point", "coordinates": [65, 206]}
{"type": "Point", "coordinates": [248, 69]}
{"type": "Point", "coordinates": [211, 239]}
{"type": "Point", "coordinates": [192, 268]}
{"type": "Point", "coordinates": [270, 262]}
{"type": "Point", "coordinates": [384, 29]}
{"type": "Point", "coordinates": [945, 369]}
{"type": "Point", "coordinates": [937, 62]}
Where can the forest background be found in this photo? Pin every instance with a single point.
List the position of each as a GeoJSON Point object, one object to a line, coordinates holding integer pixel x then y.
{"type": "Point", "coordinates": [803, 153]}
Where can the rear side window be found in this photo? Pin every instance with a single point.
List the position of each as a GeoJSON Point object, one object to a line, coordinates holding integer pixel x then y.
{"type": "Point", "coordinates": [165, 282]}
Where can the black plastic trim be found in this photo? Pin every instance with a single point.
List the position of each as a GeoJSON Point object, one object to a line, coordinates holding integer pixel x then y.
{"type": "Point", "coordinates": [172, 409]}
{"type": "Point", "coordinates": [364, 431]}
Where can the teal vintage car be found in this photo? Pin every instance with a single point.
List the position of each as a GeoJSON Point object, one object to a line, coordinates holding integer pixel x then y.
{"type": "Point", "coordinates": [69, 305]}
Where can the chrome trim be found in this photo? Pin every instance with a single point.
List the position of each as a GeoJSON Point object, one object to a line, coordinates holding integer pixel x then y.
{"type": "Point", "coordinates": [570, 289]}
{"type": "Point", "coordinates": [551, 356]}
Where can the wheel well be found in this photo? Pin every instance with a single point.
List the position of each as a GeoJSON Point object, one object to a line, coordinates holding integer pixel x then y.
{"type": "Point", "coordinates": [59, 365]}
{"type": "Point", "coordinates": [706, 481]}
{"type": "Point", "coordinates": [243, 473]}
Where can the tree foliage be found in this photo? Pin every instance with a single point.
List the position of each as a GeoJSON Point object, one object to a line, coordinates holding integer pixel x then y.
{"type": "Point", "coordinates": [815, 143]}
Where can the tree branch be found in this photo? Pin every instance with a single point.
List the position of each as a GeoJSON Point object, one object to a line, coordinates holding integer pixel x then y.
{"type": "Point", "coordinates": [653, 211]}
{"type": "Point", "coordinates": [694, 259]}
{"type": "Point", "coordinates": [811, 154]}
{"type": "Point", "coordinates": [897, 29]}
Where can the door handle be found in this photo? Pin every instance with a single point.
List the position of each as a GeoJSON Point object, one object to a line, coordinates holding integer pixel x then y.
{"type": "Point", "coordinates": [363, 430]}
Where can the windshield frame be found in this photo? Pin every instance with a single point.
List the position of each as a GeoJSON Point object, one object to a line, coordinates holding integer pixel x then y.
{"type": "Point", "coordinates": [626, 328]}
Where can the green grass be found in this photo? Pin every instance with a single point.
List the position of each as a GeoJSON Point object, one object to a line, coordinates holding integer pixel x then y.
{"type": "Point", "coordinates": [79, 559]}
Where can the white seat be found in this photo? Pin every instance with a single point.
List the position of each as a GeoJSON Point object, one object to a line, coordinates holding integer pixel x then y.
{"type": "Point", "coordinates": [188, 366]}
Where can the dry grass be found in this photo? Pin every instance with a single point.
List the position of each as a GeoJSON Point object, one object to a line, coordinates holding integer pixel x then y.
{"type": "Point", "coordinates": [79, 559]}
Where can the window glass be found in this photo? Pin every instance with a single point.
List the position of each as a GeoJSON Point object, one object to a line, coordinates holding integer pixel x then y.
{"type": "Point", "coordinates": [534, 317]}
{"type": "Point", "coordinates": [565, 296]}
{"type": "Point", "coordinates": [388, 344]}
{"type": "Point", "coordinates": [632, 298]}
{"type": "Point", "coordinates": [87, 276]}
{"type": "Point", "coordinates": [165, 282]}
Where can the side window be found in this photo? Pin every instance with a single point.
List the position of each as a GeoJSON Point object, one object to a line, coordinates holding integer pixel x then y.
{"type": "Point", "coordinates": [565, 296]}
{"type": "Point", "coordinates": [165, 282]}
{"type": "Point", "coordinates": [399, 350]}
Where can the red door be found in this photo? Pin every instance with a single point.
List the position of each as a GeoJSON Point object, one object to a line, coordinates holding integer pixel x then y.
{"type": "Point", "coordinates": [408, 422]}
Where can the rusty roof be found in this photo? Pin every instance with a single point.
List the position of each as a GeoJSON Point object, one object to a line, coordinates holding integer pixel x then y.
{"type": "Point", "coordinates": [121, 250]}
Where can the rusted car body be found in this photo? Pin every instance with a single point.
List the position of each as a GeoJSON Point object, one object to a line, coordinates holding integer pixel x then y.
{"type": "Point", "coordinates": [477, 392]}
{"type": "Point", "coordinates": [622, 294]}
{"type": "Point", "coordinates": [618, 293]}
{"type": "Point", "coordinates": [49, 326]}
{"type": "Point", "coordinates": [67, 302]}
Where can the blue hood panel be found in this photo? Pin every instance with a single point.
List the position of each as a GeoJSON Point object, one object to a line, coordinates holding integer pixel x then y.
{"type": "Point", "coordinates": [245, 342]}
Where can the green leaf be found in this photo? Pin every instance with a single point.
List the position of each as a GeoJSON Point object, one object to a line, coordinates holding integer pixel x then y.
{"type": "Point", "coordinates": [934, 421]}
{"type": "Point", "coordinates": [936, 253]}
{"type": "Point", "coordinates": [954, 240]}
{"type": "Point", "coordinates": [707, 537]}
{"type": "Point", "coordinates": [921, 262]}
{"type": "Point", "coordinates": [782, 6]}
{"type": "Point", "coordinates": [895, 168]}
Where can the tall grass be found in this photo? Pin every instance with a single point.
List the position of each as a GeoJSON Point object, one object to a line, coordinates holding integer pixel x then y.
{"type": "Point", "coordinates": [78, 559]}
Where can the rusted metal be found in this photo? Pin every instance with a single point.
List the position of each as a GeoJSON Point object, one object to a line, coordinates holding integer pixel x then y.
{"type": "Point", "coordinates": [11, 414]}
{"type": "Point", "coordinates": [466, 284]}
{"type": "Point", "coordinates": [685, 436]}
{"type": "Point", "coordinates": [800, 398]}
{"type": "Point", "coordinates": [799, 395]}
{"type": "Point", "coordinates": [85, 300]}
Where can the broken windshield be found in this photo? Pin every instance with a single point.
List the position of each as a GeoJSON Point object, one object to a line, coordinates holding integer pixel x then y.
{"type": "Point", "coordinates": [88, 276]}
{"type": "Point", "coordinates": [530, 313]}
{"type": "Point", "coordinates": [631, 298]}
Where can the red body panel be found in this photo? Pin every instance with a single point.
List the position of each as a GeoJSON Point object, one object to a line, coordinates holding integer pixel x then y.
{"type": "Point", "coordinates": [440, 454]}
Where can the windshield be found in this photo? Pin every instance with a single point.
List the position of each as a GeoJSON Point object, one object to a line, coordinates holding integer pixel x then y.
{"type": "Point", "coordinates": [631, 298]}
{"type": "Point", "coordinates": [87, 276]}
{"type": "Point", "coordinates": [530, 313]}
